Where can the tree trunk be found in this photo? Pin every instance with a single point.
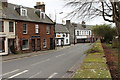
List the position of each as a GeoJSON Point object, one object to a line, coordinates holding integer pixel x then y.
{"type": "Point", "coordinates": [118, 30]}
{"type": "Point", "coordinates": [118, 27]}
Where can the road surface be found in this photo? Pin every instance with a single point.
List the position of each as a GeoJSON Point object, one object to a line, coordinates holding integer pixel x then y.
{"type": "Point", "coordinates": [52, 65]}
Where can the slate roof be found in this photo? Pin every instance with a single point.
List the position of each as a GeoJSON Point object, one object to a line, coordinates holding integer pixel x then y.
{"type": "Point", "coordinates": [88, 27]}
{"type": "Point", "coordinates": [10, 13]}
{"type": "Point", "coordinates": [60, 28]}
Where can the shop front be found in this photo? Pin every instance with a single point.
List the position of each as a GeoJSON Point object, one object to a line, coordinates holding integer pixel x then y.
{"type": "Point", "coordinates": [35, 43]}
{"type": "Point", "coordinates": [3, 45]}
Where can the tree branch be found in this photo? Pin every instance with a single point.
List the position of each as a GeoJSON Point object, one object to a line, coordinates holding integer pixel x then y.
{"type": "Point", "coordinates": [104, 14]}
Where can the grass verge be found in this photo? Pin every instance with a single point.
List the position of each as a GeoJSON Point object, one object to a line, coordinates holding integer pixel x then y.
{"type": "Point", "coordinates": [94, 65]}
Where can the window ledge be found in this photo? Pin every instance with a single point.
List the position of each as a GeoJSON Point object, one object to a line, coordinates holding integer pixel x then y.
{"type": "Point", "coordinates": [25, 49]}
{"type": "Point", "coordinates": [45, 47]}
{"type": "Point", "coordinates": [24, 33]}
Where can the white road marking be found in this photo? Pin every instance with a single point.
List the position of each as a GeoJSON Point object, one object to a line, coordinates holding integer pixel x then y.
{"type": "Point", "coordinates": [10, 72]}
{"type": "Point", "coordinates": [60, 55]}
{"type": "Point", "coordinates": [33, 76]}
{"type": "Point", "coordinates": [19, 74]}
{"type": "Point", "coordinates": [52, 76]}
{"type": "Point", "coordinates": [40, 62]}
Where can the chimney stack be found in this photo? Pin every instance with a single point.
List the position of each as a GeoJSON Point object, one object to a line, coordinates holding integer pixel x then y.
{"type": "Point", "coordinates": [4, 3]}
{"type": "Point", "coordinates": [40, 5]}
{"type": "Point", "coordinates": [68, 24]}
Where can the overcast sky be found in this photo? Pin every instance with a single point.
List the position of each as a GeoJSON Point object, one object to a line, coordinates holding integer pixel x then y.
{"type": "Point", "coordinates": [55, 6]}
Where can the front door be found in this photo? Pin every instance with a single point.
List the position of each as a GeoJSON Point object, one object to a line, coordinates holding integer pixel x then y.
{"type": "Point", "coordinates": [38, 44]}
{"type": "Point", "coordinates": [51, 43]}
{"type": "Point", "coordinates": [33, 44]}
{"type": "Point", "coordinates": [62, 42]}
{"type": "Point", "coordinates": [11, 46]}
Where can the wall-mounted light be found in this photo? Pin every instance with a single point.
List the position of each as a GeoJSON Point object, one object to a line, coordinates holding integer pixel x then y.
{"type": "Point", "coordinates": [63, 35]}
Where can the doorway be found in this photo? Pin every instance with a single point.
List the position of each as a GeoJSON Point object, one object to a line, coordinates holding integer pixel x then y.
{"type": "Point", "coordinates": [11, 47]}
{"type": "Point", "coordinates": [38, 44]}
{"type": "Point", "coordinates": [51, 43]}
{"type": "Point", "coordinates": [33, 44]}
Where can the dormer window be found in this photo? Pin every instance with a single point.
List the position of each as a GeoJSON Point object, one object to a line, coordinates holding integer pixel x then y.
{"type": "Point", "coordinates": [42, 15]}
{"type": "Point", "coordinates": [23, 12]}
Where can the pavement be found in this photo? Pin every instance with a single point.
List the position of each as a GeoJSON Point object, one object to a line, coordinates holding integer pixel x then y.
{"type": "Point", "coordinates": [23, 55]}
{"type": "Point", "coordinates": [54, 64]}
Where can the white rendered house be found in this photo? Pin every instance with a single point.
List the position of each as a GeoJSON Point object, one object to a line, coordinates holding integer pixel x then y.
{"type": "Point", "coordinates": [83, 34]}
{"type": "Point", "coordinates": [7, 36]}
{"type": "Point", "coordinates": [62, 35]}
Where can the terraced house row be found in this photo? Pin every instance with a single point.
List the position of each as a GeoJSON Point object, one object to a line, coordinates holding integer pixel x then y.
{"type": "Point", "coordinates": [24, 29]}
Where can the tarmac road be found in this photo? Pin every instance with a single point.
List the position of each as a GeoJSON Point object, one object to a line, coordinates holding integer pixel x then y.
{"type": "Point", "coordinates": [52, 65]}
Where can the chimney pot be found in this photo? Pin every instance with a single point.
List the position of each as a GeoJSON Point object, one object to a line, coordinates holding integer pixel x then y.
{"type": "Point", "coordinates": [40, 5]}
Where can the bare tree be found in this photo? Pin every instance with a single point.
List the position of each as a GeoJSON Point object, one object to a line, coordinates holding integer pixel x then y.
{"type": "Point", "coordinates": [108, 9]}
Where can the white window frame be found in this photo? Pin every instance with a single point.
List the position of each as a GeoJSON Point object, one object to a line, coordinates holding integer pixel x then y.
{"type": "Point", "coordinates": [10, 26]}
{"type": "Point", "coordinates": [57, 41]}
{"type": "Point", "coordinates": [77, 33]}
{"type": "Point", "coordinates": [80, 32]}
{"type": "Point", "coordinates": [42, 15]}
{"type": "Point", "coordinates": [23, 9]}
{"type": "Point", "coordinates": [66, 34]}
{"type": "Point", "coordinates": [48, 32]}
{"type": "Point", "coordinates": [37, 31]}
{"type": "Point", "coordinates": [89, 32]}
{"type": "Point", "coordinates": [44, 43]}
{"type": "Point", "coordinates": [85, 32]}
{"type": "Point", "coordinates": [67, 41]}
{"type": "Point", "coordinates": [22, 45]}
{"type": "Point", "coordinates": [26, 29]}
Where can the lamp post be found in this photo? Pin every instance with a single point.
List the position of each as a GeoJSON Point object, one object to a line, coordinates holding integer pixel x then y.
{"type": "Point", "coordinates": [62, 40]}
{"type": "Point", "coordinates": [74, 35]}
{"type": "Point", "coordinates": [54, 28]}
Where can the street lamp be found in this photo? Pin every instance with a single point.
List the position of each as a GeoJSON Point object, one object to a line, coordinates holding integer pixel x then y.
{"type": "Point", "coordinates": [83, 24]}
{"type": "Point", "coordinates": [63, 35]}
{"type": "Point", "coordinates": [56, 15]}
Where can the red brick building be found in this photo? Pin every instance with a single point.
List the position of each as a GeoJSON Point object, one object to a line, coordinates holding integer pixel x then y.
{"type": "Point", "coordinates": [34, 30]}
{"type": "Point", "coordinates": [32, 41]}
